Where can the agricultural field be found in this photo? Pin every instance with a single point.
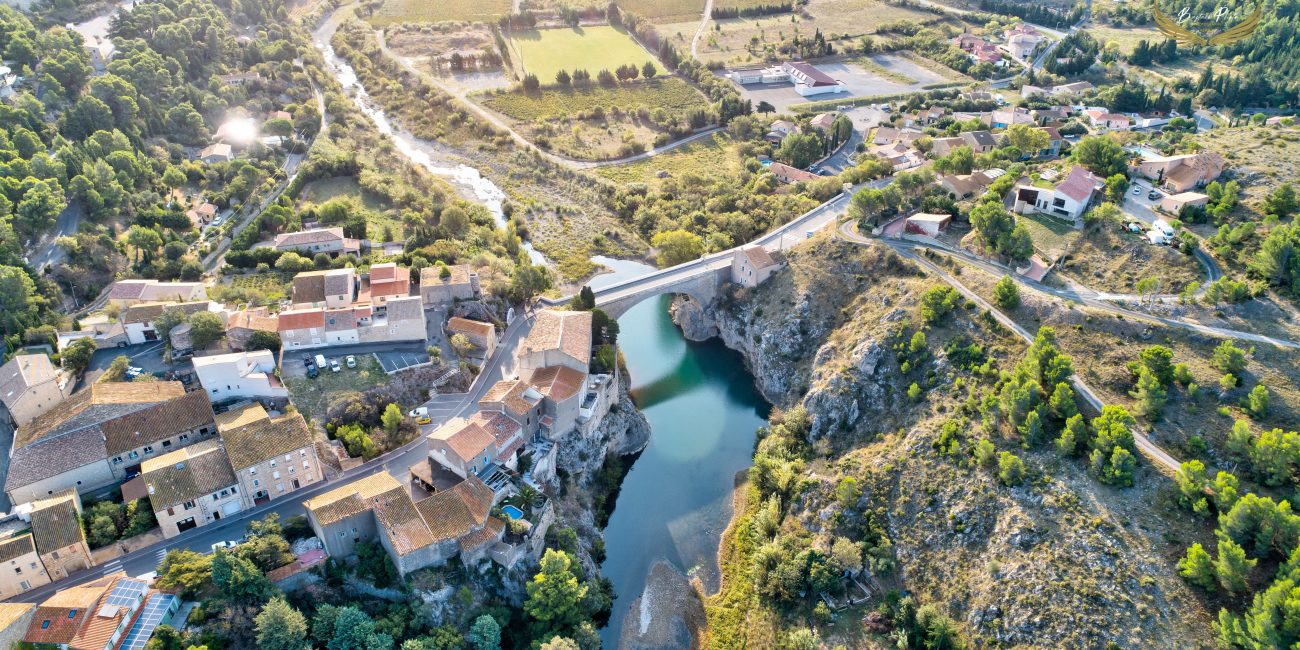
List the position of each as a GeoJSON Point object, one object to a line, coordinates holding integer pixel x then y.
{"type": "Point", "coordinates": [595, 122]}
{"type": "Point", "coordinates": [656, 11]}
{"type": "Point", "coordinates": [424, 11]}
{"type": "Point", "coordinates": [703, 157]}
{"type": "Point", "coordinates": [750, 41]}
{"type": "Point", "coordinates": [544, 52]}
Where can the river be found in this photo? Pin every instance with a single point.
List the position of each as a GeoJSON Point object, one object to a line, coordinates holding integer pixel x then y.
{"type": "Point", "coordinates": [699, 399]}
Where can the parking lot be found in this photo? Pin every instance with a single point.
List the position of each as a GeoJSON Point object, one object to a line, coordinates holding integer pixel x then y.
{"type": "Point", "coordinates": [393, 361]}
{"type": "Point", "coordinates": [858, 82]}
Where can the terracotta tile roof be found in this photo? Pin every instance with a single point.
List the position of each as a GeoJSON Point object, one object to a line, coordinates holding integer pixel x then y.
{"type": "Point", "coordinates": [459, 275]}
{"type": "Point", "coordinates": [489, 533]}
{"type": "Point", "coordinates": [309, 287]}
{"type": "Point", "coordinates": [21, 373]}
{"type": "Point", "coordinates": [558, 382]}
{"type": "Point", "coordinates": [16, 547]}
{"type": "Point", "coordinates": [338, 320]}
{"type": "Point", "coordinates": [452, 513]}
{"type": "Point", "coordinates": [472, 327]}
{"type": "Point", "coordinates": [513, 395]}
{"type": "Point", "coordinates": [127, 289]}
{"type": "Point", "coordinates": [55, 455]}
{"type": "Point", "coordinates": [220, 149]}
{"type": "Point", "coordinates": [61, 616]}
{"type": "Point", "coordinates": [186, 413]}
{"type": "Point", "coordinates": [56, 522]}
{"type": "Point", "coordinates": [466, 438]}
{"type": "Point", "coordinates": [350, 499]}
{"type": "Point", "coordinates": [249, 443]}
{"type": "Point", "coordinates": [567, 331]}
{"type": "Point", "coordinates": [254, 319]}
{"type": "Point", "coordinates": [389, 280]}
{"type": "Point", "coordinates": [300, 319]}
{"type": "Point", "coordinates": [308, 237]}
{"type": "Point", "coordinates": [187, 474]}
{"type": "Point", "coordinates": [98, 403]}
{"type": "Point", "coordinates": [401, 522]}
{"type": "Point", "coordinates": [758, 257]}
{"type": "Point", "coordinates": [1080, 184]}
{"type": "Point", "coordinates": [791, 174]}
{"type": "Point", "coordinates": [502, 427]}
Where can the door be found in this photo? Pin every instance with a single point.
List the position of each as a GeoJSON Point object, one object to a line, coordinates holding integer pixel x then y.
{"type": "Point", "coordinates": [186, 524]}
{"type": "Point", "coordinates": [231, 508]}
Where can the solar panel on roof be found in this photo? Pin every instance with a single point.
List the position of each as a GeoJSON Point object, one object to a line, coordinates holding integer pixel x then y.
{"type": "Point", "coordinates": [155, 611]}
{"type": "Point", "coordinates": [127, 592]}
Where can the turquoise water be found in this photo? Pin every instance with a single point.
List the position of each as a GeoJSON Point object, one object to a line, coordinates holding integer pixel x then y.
{"type": "Point", "coordinates": [675, 502]}
{"type": "Point", "coordinates": [512, 512]}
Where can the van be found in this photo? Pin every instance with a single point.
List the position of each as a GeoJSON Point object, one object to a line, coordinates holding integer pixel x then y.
{"type": "Point", "coordinates": [320, 361]}
{"type": "Point", "coordinates": [419, 412]}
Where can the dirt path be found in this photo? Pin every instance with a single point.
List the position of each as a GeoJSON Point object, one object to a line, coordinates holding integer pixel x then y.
{"type": "Point", "coordinates": [704, 24]}
{"type": "Point", "coordinates": [497, 121]}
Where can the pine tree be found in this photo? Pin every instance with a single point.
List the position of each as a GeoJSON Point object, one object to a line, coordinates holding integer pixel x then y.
{"type": "Point", "coordinates": [281, 627]}
{"type": "Point", "coordinates": [1197, 567]}
{"type": "Point", "coordinates": [1232, 566]}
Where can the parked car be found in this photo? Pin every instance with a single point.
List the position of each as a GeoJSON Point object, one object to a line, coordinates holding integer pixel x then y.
{"type": "Point", "coordinates": [351, 361]}
{"type": "Point", "coordinates": [320, 361]}
{"type": "Point", "coordinates": [133, 372]}
{"type": "Point", "coordinates": [424, 420]}
{"type": "Point", "coordinates": [306, 361]}
{"type": "Point", "coordinates": [224, 545]}
{"type": "Point", "coordinates": [334, 365]}
{"type": "Point", "coordinates": [418, 412]}
{"type": "Point", "coordinates": [1136, 190]}
{"type": "Point", "coordinates": [1153, 195]}
{"type": "Point", "coordinates": [312, 372]}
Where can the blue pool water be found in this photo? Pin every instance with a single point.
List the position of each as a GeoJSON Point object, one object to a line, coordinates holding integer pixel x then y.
{"type": "Point", "coordinates": [512, 512]}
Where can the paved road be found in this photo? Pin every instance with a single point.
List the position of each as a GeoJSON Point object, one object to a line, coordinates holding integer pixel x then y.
{"type": "Point", "coordinates": [396, 462]}
{"type": "Point", "coordinates": [1144, 444]}
{"type": "Point", "coordinates": [50, 252]}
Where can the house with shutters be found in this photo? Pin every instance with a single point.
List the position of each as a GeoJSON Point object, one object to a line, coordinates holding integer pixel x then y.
{"type": "Point", "coordinates": [272, 456]}
{"type": "Point", "coordinates": [110, 613]}
{"type": "Point", "coordinates": [139, 321]}
{"type": "Point", "coordinates": [1068, 200]}
{"type": "Point", "coordinates": [240, 375]}
{"type": "Point", "coordinates": [308, 243]}
{"type": "Point", "coordinates": [125, 293]}
{"type": "Point", "coordinates": [333, 288]}
{"type": "Point", "coordinates": [482, 335]}
{"type": "Point", "coordinates": [30, 385]}
{"type": "Point", "coordinates": [753, 265]}
{"type": "Point", "coordinates": [191, 487]}
{"type": "Point", "coordinates": [101, 433]}
{"type": "Point", "coordinates": [20, 565]}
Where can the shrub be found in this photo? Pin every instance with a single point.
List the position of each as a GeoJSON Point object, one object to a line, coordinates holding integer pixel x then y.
{"type": "Point", "coordinates": [1011, 470]}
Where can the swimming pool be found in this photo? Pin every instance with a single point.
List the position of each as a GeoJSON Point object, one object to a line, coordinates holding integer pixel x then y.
{"type": "Point", "coordinates": [512, 512]}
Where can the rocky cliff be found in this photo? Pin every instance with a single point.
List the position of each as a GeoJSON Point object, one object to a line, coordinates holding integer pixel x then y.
{"type": "Point", "coordinates": [1058, 562]}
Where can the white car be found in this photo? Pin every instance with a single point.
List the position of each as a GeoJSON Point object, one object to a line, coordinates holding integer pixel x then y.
{"type": "Point", "coordinates": [418, 412]}
{"type": "Point", "coordinates": [334, 365]}
{"type": "Point", "coordinates": [351, 361]}
{"type": "Point", "coordinates": [1137, 190]}
{"type": "Point", "coordinates": [224, 545]}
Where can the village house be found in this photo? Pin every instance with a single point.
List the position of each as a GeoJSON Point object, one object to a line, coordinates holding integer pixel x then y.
{"type": "Point", "coordinates": [30, 385]}
{"type": "Point", "coordinates": [272, 456]}
{"type": "Point", "coordinates": [139, 320]}
{"type": "Point", "coordinates": [482, 335]}
{"type": "Point", "coordinates": [20, 566]}
{"type": "Point", "coordinates": [216, 153]}
{"type": "Point", "coordinates": [900, 156]}
{"type": "Point", "coordinates": [940, 147]}
{"type": "Point", "coordinates": [401, 319]}
{"type": "Point", "coordinates": [15, 618]}
{"type": "Point", "coordinates": [558, 338]}
{"type": "Point", "coordinates": [332, 288]}
{"type": "Point", "coordinates": [1068, 200]}
{"type": "Point", "coordinates": [101, 433]}
{"type": "Point", "coordinates": [201, 214]}
{"type": "Point", "coordinates": [884, 135]}
{"type": "Point", "coordinates": [824, 121]}
{"type": "Point", "coordinates": [924, 117]}
{"type": "Point", "coordinates": [1022, 40]}
{"type": "Point", "coordinates": [466, 447]}
{"type": "Point", "coordinates": [787, 174]}
{"type": "Point", "coordinates": [330, 241]}
{"type": "Point", "coordinates": [1184, 172]}
{"type": "Point", "coordinates": [446, 284]}
{"type": "Point", "coordinates": [1104, 120]}
{"type": "Point", "coordinates": [753, 265]}
{"type": "Point", "coordinates": [57, 533]}
{"type": "Point", "coordinates": [779, 129]}
{"type": "Point", "coordinates": [1054, 143]}
{"type": "Point", "coordinates": [980, 50]}
{"type": "Point", "coordinates": [125, 293]}
{"type": "Point", "coordinates": [240, 375]}
{"type": "Point", "coordinates": [387, 281]}
{"type": "Point", "coordinates": [980, 141]}
{"type": "Point", "coordinates": [965, 186]}
{"type": "Point", "coordinates": [415, 534]}
{"type": "Point", "coordinates": [1007, 117]}
{"type": "Point", "coordinates": [1174, 204]}
{"type": "Point", "coordinates": [517, 399]}
{"type": "Point", "coordinates": [1074, 88]}
{"type": "Point", "coordinates": [101, 51]}
{"type": "Point", "coordinates": [191, 487]}
{"type": "Point", "coordinates": [113, 612]}
{"type": "Point", "coordinates": [241, 325]}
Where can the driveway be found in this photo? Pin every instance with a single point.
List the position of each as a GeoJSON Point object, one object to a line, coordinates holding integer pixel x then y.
{"type": "Point", "coordinates": [50, 252]}
{"type": "Point", "coordinates": [147, 356]}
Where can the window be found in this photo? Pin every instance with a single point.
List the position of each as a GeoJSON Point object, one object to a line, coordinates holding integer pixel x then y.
{"type": "Point", "coordinates": [306, 465]}
{"type": "Point", "coordinates": [166, 444]}
{"type": "Point", "coordinates": [26, 585]}
{"type": "Point", "coordinates": [203, 431]}
{"type": "Point", "coordinates": [117, 461]}
{"type": "Point", "coordinates": [54, 555]}
{"type": "Point", "coordinates": [33, 566]}
{"type": "Point", "coordinates": [133, 455]}
{"type": "Point", "coordinates": [288, 457]}
{"type": "Point", "coordinates": [302, 453]}
{"type": "Point", "coordinates": [279, 487]}
{"type": "Point", "coordinates": [189, 505]}
{"type": "Point", "coordinates": [148, 450]}
{"type": "Point", "coordinates": [184, 437]}
{"type": "Point", "coordinates": [275, 475]}
{"type": "Point", "coordinates": [252, 471]}
{"type": "Point", "coordinates": [272, 463]}
{"type": "Point", "coordinates": [18, 570]}
{"type": "Point", "coordinates": [256, 483]}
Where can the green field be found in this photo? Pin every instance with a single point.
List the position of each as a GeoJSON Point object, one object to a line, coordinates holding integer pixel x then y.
{"type": "Point", "coordinates": [664, 11]}
{"type": "Point", "coordinates": [669, 93]}
{"type": "Point", "coordinates": [705, 157]}
{"type": "Point", "coordinates": [547, 51]}
{"type": "Point", "coordinates": [424, 11]}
